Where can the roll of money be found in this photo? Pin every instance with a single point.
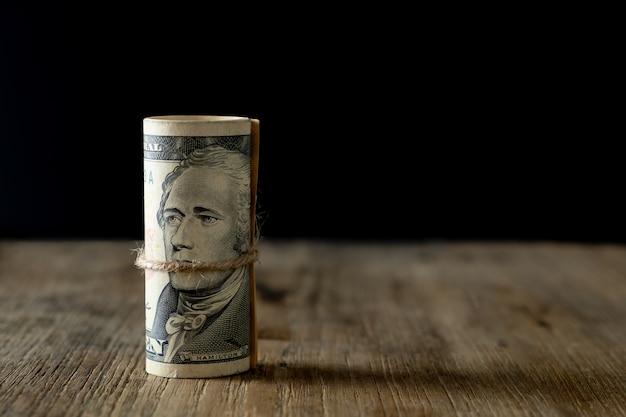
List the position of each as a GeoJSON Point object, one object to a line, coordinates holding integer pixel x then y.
{"type": "Point", "coordinates": [200, 180]}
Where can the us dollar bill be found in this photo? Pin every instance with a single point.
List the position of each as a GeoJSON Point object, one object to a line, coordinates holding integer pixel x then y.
{"type": "Point", "coordinates": [200, 178]}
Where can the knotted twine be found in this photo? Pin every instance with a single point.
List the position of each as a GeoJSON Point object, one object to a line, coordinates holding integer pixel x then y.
{"type": "Point", "coordinates": [195, 266]}
{"type": "Point", "coordinates": [249, 257]}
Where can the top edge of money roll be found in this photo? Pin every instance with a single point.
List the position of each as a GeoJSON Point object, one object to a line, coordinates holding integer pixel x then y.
{"type": "Point", "coordinates": [183, 125]}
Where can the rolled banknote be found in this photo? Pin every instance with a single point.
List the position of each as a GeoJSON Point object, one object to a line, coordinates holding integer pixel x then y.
{"type": "Point", "coordinates": [200, 179]}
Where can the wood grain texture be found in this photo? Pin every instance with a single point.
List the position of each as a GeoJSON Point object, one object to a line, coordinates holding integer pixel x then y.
{"type": "Point", "coordinates": [345, 329]}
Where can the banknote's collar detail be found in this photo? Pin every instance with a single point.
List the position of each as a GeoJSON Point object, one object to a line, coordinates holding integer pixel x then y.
{"type": "Point", "coordinates": [193, 310]}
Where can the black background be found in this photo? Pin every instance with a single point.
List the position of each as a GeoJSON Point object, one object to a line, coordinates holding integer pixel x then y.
{"type": "Point", "coordinates": [375, 124]}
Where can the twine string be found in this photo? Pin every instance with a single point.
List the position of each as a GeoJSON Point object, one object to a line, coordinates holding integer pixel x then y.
{"type": "Point", "coordinates": [195, 266]}
{"type": "Point", "coordinates": [247, 258]}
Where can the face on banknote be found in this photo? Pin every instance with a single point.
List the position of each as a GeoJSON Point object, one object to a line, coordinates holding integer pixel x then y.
{"type": "Point", "coordinates": [199, 215]}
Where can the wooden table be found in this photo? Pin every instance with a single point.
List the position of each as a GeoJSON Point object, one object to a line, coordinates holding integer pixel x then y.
{"type": "Point", "coordinates": [345, 329]}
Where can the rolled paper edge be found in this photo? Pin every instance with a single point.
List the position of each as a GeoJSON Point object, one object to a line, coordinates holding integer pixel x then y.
{"type": "Point", "coordinates": [254, 232]}
{"type": "Point", "coordinates": [195, 370]}
{"type": "Point", "coordinates": [180, 125]}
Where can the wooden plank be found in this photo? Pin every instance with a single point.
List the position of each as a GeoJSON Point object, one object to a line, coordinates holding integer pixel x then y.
{"type": "Point", "coordinates": [350, 329]}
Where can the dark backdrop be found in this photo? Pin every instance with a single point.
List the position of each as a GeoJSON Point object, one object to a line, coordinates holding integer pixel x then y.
{"type": "Point", "coordinates": [376, 125]}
